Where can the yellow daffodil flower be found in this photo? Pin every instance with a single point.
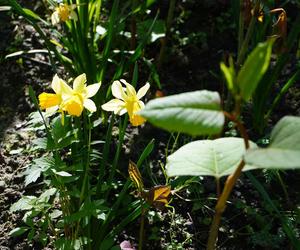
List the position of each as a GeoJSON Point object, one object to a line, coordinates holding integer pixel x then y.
{"type": "Point", "coordinates": [51, 102]}
{"type": "Point", "coordinates": [67, 99]}
{"type": "Point", "coordinates": [63, 13]}
{"type": "Point", "coordinates": [127, 101]}
{"type": "Point", "coordinates": [74, 100]}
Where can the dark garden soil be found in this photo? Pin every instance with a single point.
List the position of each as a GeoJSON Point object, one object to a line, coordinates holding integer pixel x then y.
{"type": "Point", "coordinates": [17, 73]}
{"type": "Point", "coordinates": [187, 67]}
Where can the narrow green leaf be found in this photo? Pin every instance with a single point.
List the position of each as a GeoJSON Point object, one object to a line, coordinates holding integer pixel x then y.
{"type": "Point", "coordinates": [138, 51]}
{"type": "Point", "coordinates": [61, 173]}
{"type": "Point", "coordinates": [33, 98]}
{"type": "Point", "coordinates": [124, 222]}
{"type": "Point", "coordinates": [158, 30]}
{"type": "Point", "coordinates": [290, 232]}
{"type": "Point", "coordinates": [147, 151]}
{"type": "Point", "coordinates": [4, 8]}
{"type": "Point", "coordinates": [33, 15]}
{"type": "Point", "coordinates": [254, 68]}
{"type": "Point", "coordinates": [154, 74]}
{"type": "Point", "coordinates": [112, 26]}
{"type": "Point", "coordinates": [88, 209]}
{"type": "Point", "coordinates": [18, 231]}
{"type": "Point", "coordinates": [283, 151]}
{"type": "Point", "coordinates": [195, 113]}
{"type": "Point", "coordinates": [135, 75]}
{"type": "Point", "coordinates": [229, 74]}
{"type": "Point", "coordinates": [282, 92]}
{"type": "Point", "coordinates": [216, 158]}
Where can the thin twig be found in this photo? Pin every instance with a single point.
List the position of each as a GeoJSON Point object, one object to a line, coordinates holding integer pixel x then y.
{"type": "Point", "coordinates": [230, 182]}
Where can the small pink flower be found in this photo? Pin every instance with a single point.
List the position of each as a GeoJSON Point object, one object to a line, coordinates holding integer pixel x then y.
{"type": "Point", "coordinates": [126, 245]}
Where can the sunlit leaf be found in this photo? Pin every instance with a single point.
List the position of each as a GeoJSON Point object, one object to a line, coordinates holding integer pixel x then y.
{"type": "Point", "coordinates": [33, 174]}
{"type": "Point", "coordinates": [61, 173]}
{"type": "Point", "coordinates": [283, 151]}
{"type": "Point", "coordinates": [195, 113]}
{"type": "Point", "coordinates": [216, 158]}
{"type": "Point", "coordinates": [45, 196]}
{"type": "Point", "coordinates": [254, 68]}
{"type": "Point", "coordinates": [230, 75]}
{"type": "Point", "coordinates": [25, 203]}
{"type": "Point", "coordinates": [38, 166]}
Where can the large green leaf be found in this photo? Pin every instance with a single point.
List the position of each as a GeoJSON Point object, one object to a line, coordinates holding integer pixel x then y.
{"type": "Point", "coordinates": [32, 174]}
{"type": "Point", "coordinates": [25, 203]}
{"type": "Point", "coordinates": [208, 157]}
{"type": "Point", "coordinates": [37, 167]}
{"type": "Point", "coordinates": [195, 113]}
{"type": "Point", "coordinates": [254, 68]}
{"type": "Point", "coordinates": [63, 134]}
{"type": "Point", "coordinates": [284, 149]}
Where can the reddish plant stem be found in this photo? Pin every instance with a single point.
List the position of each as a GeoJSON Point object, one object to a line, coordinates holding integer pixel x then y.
{"type": "Point", "coordinates": [229, 184]}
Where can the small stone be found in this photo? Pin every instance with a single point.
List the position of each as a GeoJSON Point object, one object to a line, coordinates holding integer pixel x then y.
{"type": "Point", "coordinates": [2, 185]}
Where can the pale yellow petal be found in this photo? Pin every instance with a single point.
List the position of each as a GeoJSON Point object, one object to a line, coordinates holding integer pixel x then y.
{"type": "Point", "coordinates": [122, 111]}
{"type": "Point", "coordinates": [92, 89]}
{"type": "Point", "coordinates": [55, 18]}
{"type": "Point", "coordinates": [141, 104]}
{"type": "Point", "coordinates": [51, 111]}
{"type": "Point", "coordinates": [129, 89]}
{"type": "Point", "coordinates": [73, 6]}
{"type": "Point", "coordinates": [89, 105]}
{"type": "Point", "coordinates": [55, 85]}
{"type": "Point", "coordinates": [79, 83]}
{"type": "Point", "coordinates": [118, 91]}
{"type": "Point", "coordinates": [114, 105]}
{"type": "Point", "coordinates": [143, 90]}
{"type": "Point", "coordinates": [73, 15]}
{"type": "Point", "coordinates": [65, 90]}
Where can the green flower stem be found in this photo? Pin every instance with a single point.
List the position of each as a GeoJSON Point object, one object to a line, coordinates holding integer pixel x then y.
{"type": "Point", "coordinates": [87, 160]}
{"type": "Point", "coordinates": [142, 226]}
{"type": "Point", "coordinates": [122, 129]}
{"type": "Point", "coordinates": [85, 183]}
{"type": "Point", "coordinates": [105, 154]}
{"type": "Point", "coordinates": [64, 200]}
{"type": "Point", "coordinates": [101, 229]}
